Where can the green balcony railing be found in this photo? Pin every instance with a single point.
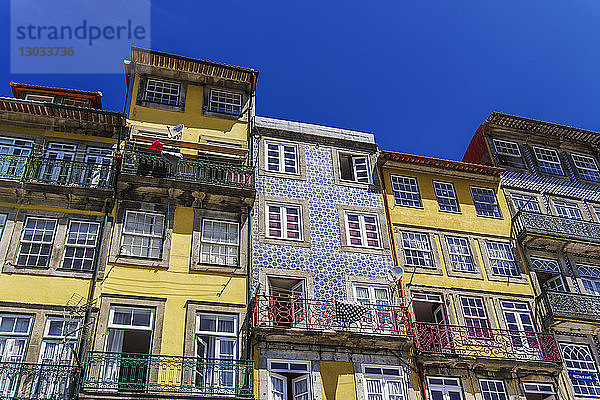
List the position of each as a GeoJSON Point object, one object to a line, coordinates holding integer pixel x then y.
{"type": "Point", "coordinates": [36, 169]}
{"type": "Point", "coordinates": [20, 381]}
{"type": "Point", "coordinates": [195, 171]}
{"type": "Point", "coordinates": [126, 372]}
{"type": "Point", "coordinates": [572, 306]}
{"type": "Point", "coordinates": [531, 223]}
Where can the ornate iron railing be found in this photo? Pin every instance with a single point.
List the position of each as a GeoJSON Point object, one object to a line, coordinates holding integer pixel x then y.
{"type": "Point", "coordinates": [126, 372]}
{"type": "Point", "coordinates": [197, 171]}
{"type": "Point", "coordinates": [569, 305]}
{"type": "Point", "coordinates": [35, 169]}
{"type": "Point", "coordinates": [464, 341]}
{"type": "Point", "coordinates": [527, 222]}
{"type": "Point", "coordinates": [20, 381]}
{"type": "Point", "coordinates": [322, 315]}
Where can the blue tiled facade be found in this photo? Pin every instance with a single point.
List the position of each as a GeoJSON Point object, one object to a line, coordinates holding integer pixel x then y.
{"type": "Point", "coordinates": [324, 258]}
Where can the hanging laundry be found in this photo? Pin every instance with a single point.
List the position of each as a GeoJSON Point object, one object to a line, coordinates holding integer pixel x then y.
{"type": "Point", "coordinates": [157, 145]}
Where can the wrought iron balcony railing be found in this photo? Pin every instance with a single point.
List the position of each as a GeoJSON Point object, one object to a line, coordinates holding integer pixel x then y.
{"type": "Point", "coordinates": [472, 342]}
{"type": "Point", "coordinates": [330, 315]}
{"type": "Point", "coordinates": [144, 373]}
{"type": "Point", "coordinates": [194, 171]}
{"type": "Point", "coordinates": [20, 381]}
{"type": "Point", "coordinates": [35, 169]}
{"type": "Point", "coordinates": [531, 223]}
{"type": "Point", "coordinates": [572, 306]}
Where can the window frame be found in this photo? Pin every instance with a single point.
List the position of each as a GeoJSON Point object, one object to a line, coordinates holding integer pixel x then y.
{"type": "Point", "coordinates": [496, 392]}
{"type": "Point", "coordinates": [443, 387]}
{"type": "Point", "coordinates": [414, 195]}
{"type": "Point", "coordinates": [279, 371]}
{"type": "Point", "coordinates": [22, 234]}
{"type": "Point", "coordinates": [124, 233]}
{"type": "Point", "coordinates": [483, 328]}
{"type": "Point", "coordinates": [111, 314]}
{"type": "Point", "coordinates": [542, 169]}
{"type": "Point", "coordinates": [492, 259]}
{"type": "Point", "coordinates": [566, 205]}
{"type": "Point", "coordinates": [237, 245]}
{"type": "Point", "coordinates": [429, 245]}
{"type": "Point", "coordinates": [66, 244]}
{"type": "Point", "coordinates": [579, 370]}
{"type": "Point", "coordinates": [362, 229]}
{"type": "Point", "coordinates": [502, 154]}
{"type": "Point", "coordinates": [533, 200]}
{"type": "Point", "coordinates": [48, 98]}
{"type": "Point", "coordinates": [283, 228]}
{"type": "Point", "coordinates": [469, 254]}
{"type": "Point", "coordinates": [496, 204]}
{"type": "Point", "coordinates": [233, 105]}
{"type": "Point", "coordinates": [447, 198]}
{"type": "Point", "coordinates": [384, 378]}
{"type": "Point", "coordinates": [586, 169]}
{"type": "Point", "coordinates": [281, 157]}
{"type": "Point", "coordinates": [162, 94]}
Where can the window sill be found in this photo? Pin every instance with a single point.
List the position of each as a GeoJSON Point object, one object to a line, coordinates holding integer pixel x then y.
{"type": "Point", "coordinates": [403, 206]}
{"type": "Point", "coordinates": [152, 104]}
{"type": "Point", "coordinates": [451, 212]}
{"type": "Point", "coordinates": [46, 271]}
{"type": "Point", "coordinates": [284, 175]}
{"type": "Point", "coordinates": [367, 250]}
{"type": "Point", "coordinates": [489, 216]}
{"type": "Point", "coordinates": [135, 261]}
{"type": "Point", "coordinates": [361, 185]}
{"type": "Point", "coordinates": [289, 242]}
{"type": "Point", "coordinates": [224, 115]}
{"type": "Point", "coordinates": [228, 269]}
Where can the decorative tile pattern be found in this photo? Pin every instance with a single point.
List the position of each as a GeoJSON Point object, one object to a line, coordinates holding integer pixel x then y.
{"type": "Point", "coordinates": [326, 261]}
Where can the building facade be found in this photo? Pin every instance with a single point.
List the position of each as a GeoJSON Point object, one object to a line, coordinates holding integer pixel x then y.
{"type": "Point", "coordinates": [473, 309]}
{"type": "Point", "coordinates": [328, 321]}
{"type": "Point", "coordinates": [551, 186]}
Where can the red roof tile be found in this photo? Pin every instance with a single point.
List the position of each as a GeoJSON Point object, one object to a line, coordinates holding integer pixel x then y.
{"type": "Point", "coordinates": [441, 163]}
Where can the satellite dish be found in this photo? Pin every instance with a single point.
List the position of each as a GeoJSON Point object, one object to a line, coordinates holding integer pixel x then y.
{"type": "Point", "coordinates": [175, 132]}
{"type": "Point", "coordinates": [396, 272]}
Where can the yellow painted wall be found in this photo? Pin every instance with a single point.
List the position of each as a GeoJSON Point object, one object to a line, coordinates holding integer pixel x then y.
{"type": "Point", "coordinates": [176, 283]}
{"type": "Point", "coordinates": [196, 123]}
{"type": "Point", "coordinates": [337, 380]}
{"type": "Point", "coordinates": [32, 289]}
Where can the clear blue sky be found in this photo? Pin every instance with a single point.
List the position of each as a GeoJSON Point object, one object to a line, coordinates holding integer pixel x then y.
{"type": "Point", "coordinates": [421, 75]}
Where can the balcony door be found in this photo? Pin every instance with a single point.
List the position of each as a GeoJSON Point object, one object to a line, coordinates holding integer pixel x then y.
{"type": "Point", "coordinates": [445, 388]}
{"type": "Point", "coordinates": [127, 348]}
{"type": "Point", "coordinates": [98, 163]}
{"type": "Point", "coordinates": [14, 154]}
{"type": "Point", "coordinates": [380, 315]}
{"type": "Point", "coordinates": [288, 305]}
{"type": "Point", "coordinates": [14, 337]}
{"type": "Point", "coordinates": [432, 329]}
{"type": "Point", "coordinates": [58, 163]}
{"type": "Point", "coordinates": [523, 336]}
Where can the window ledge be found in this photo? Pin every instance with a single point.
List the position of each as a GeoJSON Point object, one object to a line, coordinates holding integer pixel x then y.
{"type": "Point", "coordinates": [135, 261]}
{"type": "Point", "coordinates": [224, 115]}
{"type": "Point", "coordinates": [367, 250]}
{"type": "Point", "coordinates": [228, 269]}
{"type": "Point", "coordinates": [152, 104]}
{"type": "Point", "coordinates": [299, 243]}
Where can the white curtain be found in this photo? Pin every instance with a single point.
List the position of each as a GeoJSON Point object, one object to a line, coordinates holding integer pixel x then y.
{"type": "Point", "coordinates": [112, 362]}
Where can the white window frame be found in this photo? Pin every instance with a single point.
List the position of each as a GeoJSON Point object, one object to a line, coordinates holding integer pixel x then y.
{"type": "Point", "coordinates": [527, 200]}
{"type": "Point", "coordinates": [482, 329]}
{"type": "Point", "coordinates": [544, 260]}
{"type": "Point", "coordinates": [539, 388]}
{"type": "Point", "coordinates": [384, 379]}
{"type": "Point", "coordinates": [222, 105]}
{"type": "Point", "coordinates": [112, 325]}
{"type": "Point", "coordinates": [460, 256]}
{"type": "Point", "coordinates": [70, 337]}
{"type": "Point", "coordinates": [454, 207]}
{"type": "Point", "coordinates": [445, 388]}
{"type": "Point", "coordinates": [51, 243]}
{"type": "Point", "coordinates": [212, 242]}
{"type": "Point", "coordinates": [495, 204]}
{"type": "Point", "coordinates": [218, 317]}
{"type": "Point", "coordinates": [588, 370]}
{"type": "Point", "coordinates": [76, 246]}
{"type": "Point", "coordinates": [281, 159]}
{"type": "Point", "coordinates": [585, 171]}
{"type": "Point", "coordinates": [354, 161]}
{"type": "Point", "coordinates": [75, 102]}
{"type": "Point", "coordinates": [160, 237]}
{"type": "Point", "coordinates": [40, 98]}
{"type": "Point", "coordinates": [277, 372]}
{"type": "Point", "coordinates": [429, 249]}
{"type": "Point", "coordinates": [504, 143]}
{"type": "Point", "coordinates": [413, 194]}
{"type": "Point", "coordinates": [567, 205]}
{"type": "Point", "coordinates": [362, 229]}
{"type": "Point", "coordinates": [542, 159]}
{"type": "Point", "coordinates": [283, 218]}
{"type": "Point", "coordinates": [499, 390]}
{"type": "Point", "coordinates": [493, 258]}
{"type": "Point", "coordinates": [163, 95]}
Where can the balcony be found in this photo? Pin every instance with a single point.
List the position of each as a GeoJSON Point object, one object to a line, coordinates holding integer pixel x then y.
{"type": "Point", "coordinates": [213, 173]}
{"type": "Point", "coordinates": [438, 342]}
{"type": "Point", "coordinates": [553, 232]}
{"type": "Point", "coordinates": [329, 320]}
{"type": "Point", "coordinates": [20, 381]}
{"type": "Point", "coordinates": [110, 373]}
{"type": "Point", "coordinates": [63, 173]}
{"type": "Point", "coordinates": [569, 307]}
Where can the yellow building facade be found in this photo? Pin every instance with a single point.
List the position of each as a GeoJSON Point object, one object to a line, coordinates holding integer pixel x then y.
{"type": "Point", "coordinates": [476, 333]}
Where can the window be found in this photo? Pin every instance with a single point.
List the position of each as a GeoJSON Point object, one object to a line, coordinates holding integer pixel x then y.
{"type": "Point", "coordinates": [3, 218]}
{"type": "Point", "coordinates": [80, 245]}
{"type": "Point", "coordinates": [502, 259]}
{"type": "Point", "coordinates": [445, 388]}
{"type": "Point", "coordinates": [519, 319]}
{"type": "Point", "coordinates": [446, 196]}
{"type": "Point", "coordinates": [69, 101]}
{"type": "Point", "coordinates": [36, 242]}
{"type": "Point", "coordinates": [548, 161]}
{"type": "Point", "coordinates": [545, 265]}
{"type": "Point", "coordinates": [539, 391]}
{"type": "Point", "coordinates": [220, 242]}
{"type": "Point", "coordinates": [416, 249]}
{"type": "Point", "coordinates": [60, 169]}
{"type": "Point", "coordinates": [225, 102]}
{"type": "Point", "coordinates": [216, 342]}
{"type": "Point", "coordinates": [492, 390]}
{"type": "Point", "coordinates": [566, 209]}
{"type": "Point", "coordinates": [14, 154]}
{"type": "Point", "coordinates": [14, 335]}
{"type": "Point", "coordinates": [596, 210]}
{"type": "Point", "coordinates": [556, 284]}
{"type": "Point", "coordinates": [509, 153]}
{"type": "Point", "coordinates": [406, 191]}
{"type": "Point", "coordinates": [590, 277]}
{"type": "Point", "coordinates": [142, 234]}
{"type": "Point", "coordinates": [162, 92]}
{"type": "Point", "coordinates": [362, 230]}
{"type": "Point", "coordinates": [485, 202]}
{"type": "Point", "coordinates": [289, 380]}
{"type": "Point", "coordinates": [284, 221]}
{"type": "Point", "coordinates": [475, 316]}
{"type": "Point", "coordinates": [39, 97]}
{"type": "Point", "coordinates": [525, 202]}
{"type": "Point", "coordinates": [460, 254]}
{"type": "Point", "coordinates": [586, 167]}
{"type": "Point", "coordinates": [384, 383]}
{"type": "Point", "coordinates": [354, 168]}
{"type": "Point", "coordinates": [282, 157]}
{"type": "Point", "coordinates": [98, 167]}
{"type": "Point", "coordinates": [581, 368]}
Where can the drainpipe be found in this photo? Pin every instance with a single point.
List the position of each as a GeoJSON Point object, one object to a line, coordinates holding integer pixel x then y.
{"type": "Point", "coordinates": [422, 382]}
{"type": "Point", "coordinates": [249, 222]}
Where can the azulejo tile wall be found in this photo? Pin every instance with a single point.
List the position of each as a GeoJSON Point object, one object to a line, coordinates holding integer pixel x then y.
{"type": "Point", "coordinates": [324, 258]}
